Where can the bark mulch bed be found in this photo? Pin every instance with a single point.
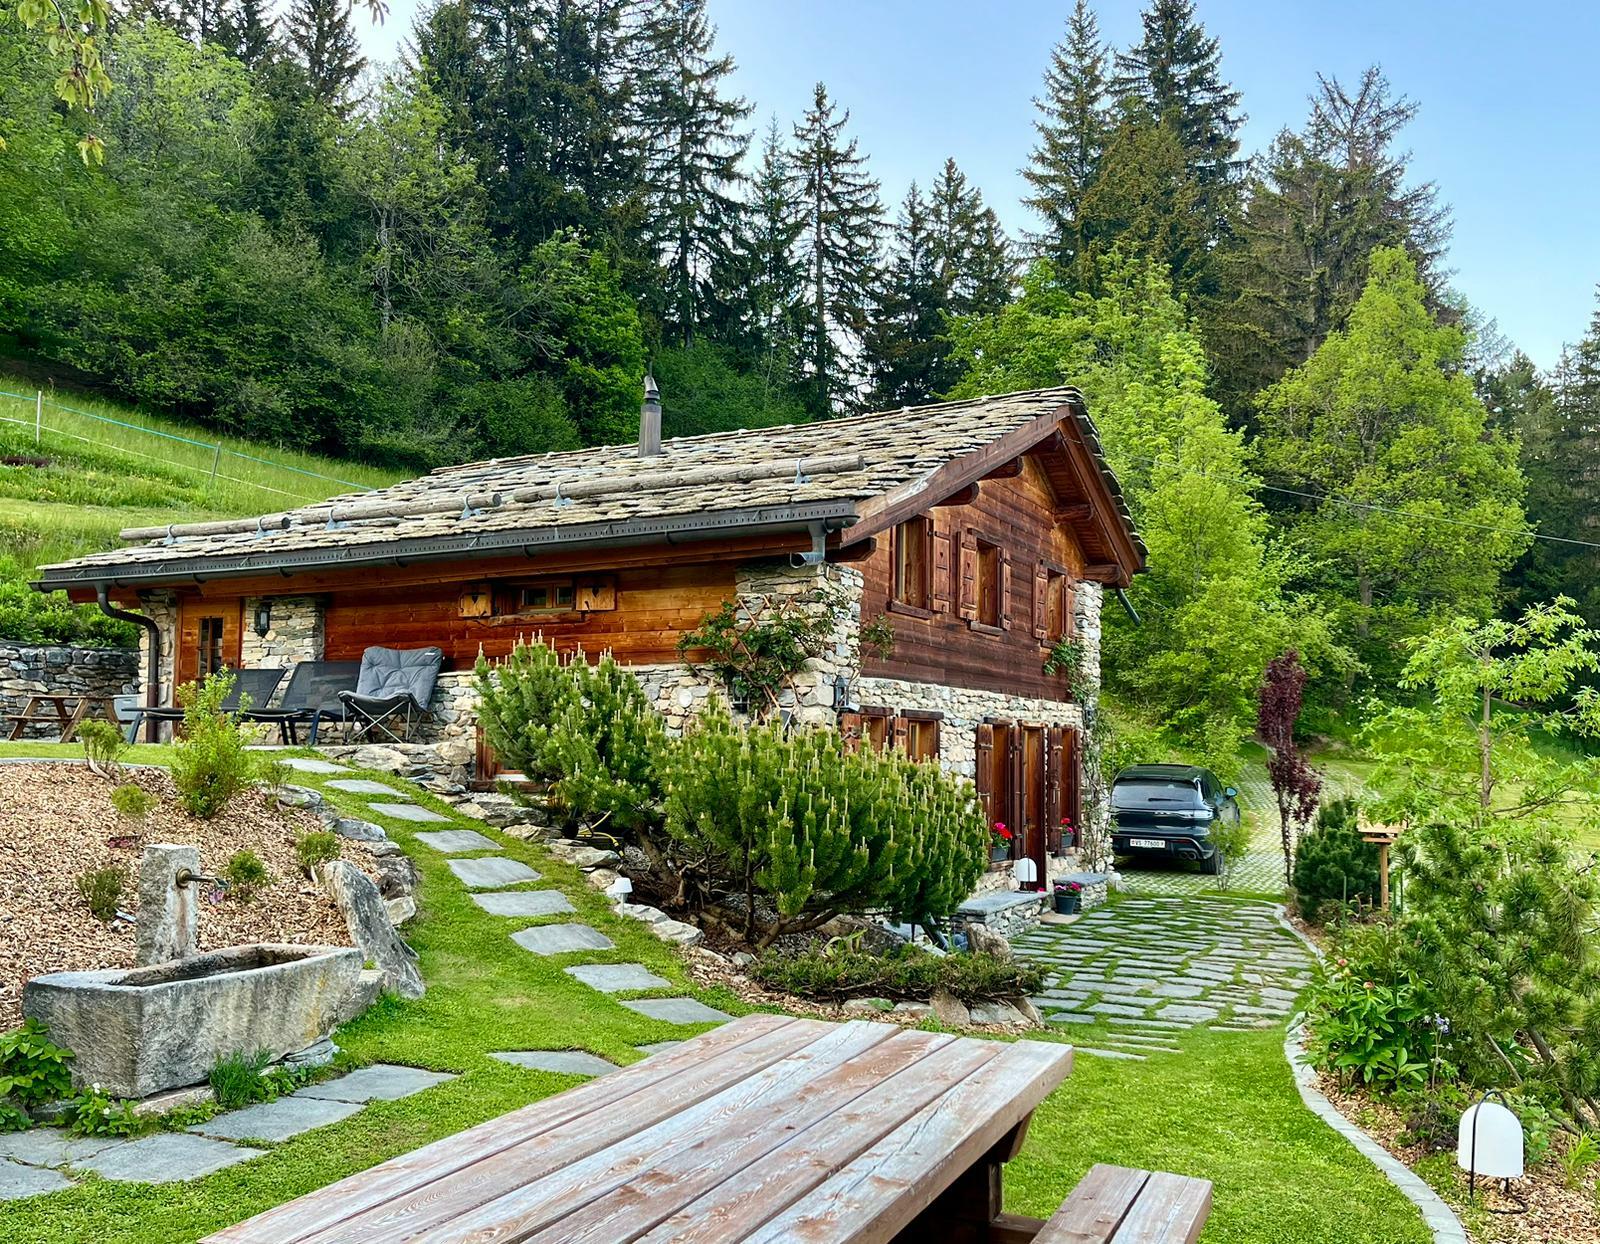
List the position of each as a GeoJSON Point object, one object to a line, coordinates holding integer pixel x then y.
{"type": "Point", "coordinates": [56, 822]}
{"type": "Point", "coordinates": [1556, 1214]}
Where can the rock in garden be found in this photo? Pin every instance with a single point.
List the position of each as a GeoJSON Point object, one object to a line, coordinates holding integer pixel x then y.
{"type": "Point", "coordinates": [677, 931]}
{"type": "Point", "coordinates": [919, 1009]}
{"type": "Point", "coordinates": [397, 875]}
{"type": "Point", "coordinates": [299, 797]}
{"type": "Point", "coordinates": [584, 856]}
{"type": "Point", "coordinates": [995, 1013]}
{"type": "Point", "coordinates": [982, 940]}
{"type": "Point", "coordinates": [400, 909]}
{"type": "Point", "coordinates": [868, 1006]}
{"type": "Point", "coordinates": [640, 911]}
{"type": "Point", "coordinates": [370, 926]}
{"type": "Point", "coordinates": [949, 1010]}
{"type": "Point", "coordinates": [361, 831]}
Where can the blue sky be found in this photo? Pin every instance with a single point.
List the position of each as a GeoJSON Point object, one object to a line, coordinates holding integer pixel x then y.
{"type": "Point", "coordinates": [1509, 126]}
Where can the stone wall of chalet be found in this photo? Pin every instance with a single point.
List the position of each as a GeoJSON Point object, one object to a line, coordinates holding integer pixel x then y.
{"type": "Point", "coordinates": [29, 669]}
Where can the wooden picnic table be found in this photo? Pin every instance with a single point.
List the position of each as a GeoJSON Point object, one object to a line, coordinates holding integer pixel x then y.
{"type": "Point", "coordinates": [83, 705]}
{"type": "Point", "coordinates": [768, 1130]}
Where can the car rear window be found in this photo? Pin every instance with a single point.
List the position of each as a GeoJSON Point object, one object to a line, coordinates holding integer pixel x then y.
{"type": "Point", "coordinates": [1153, 793]}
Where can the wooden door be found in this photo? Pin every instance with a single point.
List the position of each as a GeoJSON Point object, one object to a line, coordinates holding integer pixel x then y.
{"type": "Point", "coordinates": [1031, 803]}
{"type": "Point", "coordinates": [208, 637]}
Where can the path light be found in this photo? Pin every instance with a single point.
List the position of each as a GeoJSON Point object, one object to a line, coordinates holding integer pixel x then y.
{"type": "Point", "coordinates": [1490, 1143]}
{"type": "Point", "coordinates": [619, 890]}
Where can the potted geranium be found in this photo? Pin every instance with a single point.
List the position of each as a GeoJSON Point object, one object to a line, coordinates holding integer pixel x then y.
{"type": "Point", "coordinates": [1068, 896]}
{"type": "Point", "coordinates": [1069, 834]}
{"type": "Point", "coordinates": [999, 841]}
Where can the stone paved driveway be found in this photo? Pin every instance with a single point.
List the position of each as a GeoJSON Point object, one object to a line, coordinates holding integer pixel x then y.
{"type": "Point", "coordinates": [1144, 969]}
{"type": "Point", "coordinates": [1259, 872]}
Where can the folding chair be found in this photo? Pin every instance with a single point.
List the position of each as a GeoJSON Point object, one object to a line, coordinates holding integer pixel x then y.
{"type": "Point", "coordinates": [313, 685]}
{"type": "Point", "coordinates": [393, 691]}
{"type": "Point", "coordinates": [257, 684]}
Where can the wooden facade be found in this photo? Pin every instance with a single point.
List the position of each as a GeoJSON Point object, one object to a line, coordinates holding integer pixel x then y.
{"type": "Point", "coordinates": [1007, 535]}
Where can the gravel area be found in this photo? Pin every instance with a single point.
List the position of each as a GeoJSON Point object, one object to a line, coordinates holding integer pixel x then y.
{"type": "Point", "coordinates": [56, 821]}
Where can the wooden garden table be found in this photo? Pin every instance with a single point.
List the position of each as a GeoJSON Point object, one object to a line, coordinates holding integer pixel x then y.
{"type": "Point", "coordinates": [83, 706]}
{"type": "Point", "coordinates": [769, 1129]}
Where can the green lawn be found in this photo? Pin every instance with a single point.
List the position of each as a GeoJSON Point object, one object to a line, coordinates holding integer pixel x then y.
{"type": "Point", "coordinates": [1225, 1108]}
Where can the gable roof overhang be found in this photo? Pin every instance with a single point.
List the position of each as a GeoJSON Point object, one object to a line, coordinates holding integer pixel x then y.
{"type": "Point", "coordinates": [1090, 499]}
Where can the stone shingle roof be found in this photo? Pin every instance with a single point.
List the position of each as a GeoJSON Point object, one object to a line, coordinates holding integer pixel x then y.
{"type": "Point", "coordinates": [805, 471]}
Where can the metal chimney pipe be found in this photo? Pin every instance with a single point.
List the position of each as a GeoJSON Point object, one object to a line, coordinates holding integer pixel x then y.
{"type": "Point", "coordinates": [650, 419]}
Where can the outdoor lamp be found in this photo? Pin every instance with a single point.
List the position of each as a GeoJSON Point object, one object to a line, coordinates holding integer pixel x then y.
{"type": "Point", "coordinates": [619, 890]}
{"type": "Point", "coordinates": [1025, 871]}
{"type": "Point", "coordinates": [1490, 1143]}
{"type": "Point", "coordinates": [263, 616]}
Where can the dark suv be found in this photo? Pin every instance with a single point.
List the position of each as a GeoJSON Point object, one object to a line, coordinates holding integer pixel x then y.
{"type": "Point", "coordinates": [1167, 811]}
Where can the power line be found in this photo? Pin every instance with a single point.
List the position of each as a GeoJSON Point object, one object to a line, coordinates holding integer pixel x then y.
{"type": "Point", "coordinates": [1388, 509]}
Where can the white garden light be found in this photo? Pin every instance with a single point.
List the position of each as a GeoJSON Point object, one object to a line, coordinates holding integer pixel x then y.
{"type": "Point", "coordinates": [619, 890]}
{"type": "Point", "coordinates": [1489, 1143]}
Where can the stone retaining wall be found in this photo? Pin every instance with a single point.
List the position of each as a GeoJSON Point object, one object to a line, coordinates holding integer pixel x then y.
{"type": "Point", "coordinates": [28, 669]}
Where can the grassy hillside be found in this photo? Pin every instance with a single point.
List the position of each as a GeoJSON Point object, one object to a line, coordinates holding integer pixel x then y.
{"type": "Point", "coordinates": [71, 479]}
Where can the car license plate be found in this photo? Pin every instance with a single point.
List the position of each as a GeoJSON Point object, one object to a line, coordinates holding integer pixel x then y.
{"type": "Point", "coordinates": [1154, 844]}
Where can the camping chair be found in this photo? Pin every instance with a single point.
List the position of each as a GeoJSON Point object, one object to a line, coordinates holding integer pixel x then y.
{"type": "Point", "coordinates": [313, 685]}
{"type": "Point", "coordinates": [394, 689]}
{"type": "Point", "coordinates": [127, 707]}
{"type": "Point", "coordinates": [257, 684]}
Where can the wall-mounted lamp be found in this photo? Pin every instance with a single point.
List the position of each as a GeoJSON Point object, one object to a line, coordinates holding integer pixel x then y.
{"type": "Point", "coordinates": [841, 693]}
{"type": "Point", "coordinates": [263, 617]}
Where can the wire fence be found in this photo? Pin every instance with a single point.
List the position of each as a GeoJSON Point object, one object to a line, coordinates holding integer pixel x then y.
{"type": "Point", "coordinates": [50, 419]}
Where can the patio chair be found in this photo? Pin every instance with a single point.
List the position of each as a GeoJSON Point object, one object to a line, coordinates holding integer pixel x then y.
{"type": "Point", "coordinates": [312, 685]}
{"type": "Point", "coordinates": [393, 691]}
{"type": "Point", "coordinates": [257, 684]}
{"type": "Point", "coordinates": [127, 707]}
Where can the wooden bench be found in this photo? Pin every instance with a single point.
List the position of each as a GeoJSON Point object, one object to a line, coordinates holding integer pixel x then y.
{"type": "Point", "coordinates": [1115, 1205]}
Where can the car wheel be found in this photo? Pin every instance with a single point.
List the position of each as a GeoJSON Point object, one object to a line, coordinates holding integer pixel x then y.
{"type": "Point", "coordinates": [1213, 866]}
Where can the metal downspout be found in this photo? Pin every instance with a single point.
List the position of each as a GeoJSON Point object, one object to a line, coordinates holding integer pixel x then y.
{"type": "Point", "coordinates": [152, 697]}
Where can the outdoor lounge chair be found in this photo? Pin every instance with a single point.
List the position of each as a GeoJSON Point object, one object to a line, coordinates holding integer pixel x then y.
{"type": "Point", "coordinates": [257, 684]}
{"type": "Point", "coordinates": [312, 685]}
{"type": "Point", "coordinates": [393, 691]}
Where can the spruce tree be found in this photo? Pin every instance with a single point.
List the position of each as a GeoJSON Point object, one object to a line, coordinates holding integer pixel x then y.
{"type": "Point", "coordinates": [247, 31]}
{"type": "Point", "coordinates": [839, 250]}
{"type": "Point", "coordinates": [902, 348]}
{"type": "Point", "coordinates": [1173, 76]}
{"type": "Point", "coordinates": [1073, 126]}
{"type": "Point", "coordinates": [692, 149]}
{"type": "Point", "coordinates": [757, 283]}
{"type": "Point", "coordinates": [973, 265]}
{"type": "Point", "coordinates": [322, 36]}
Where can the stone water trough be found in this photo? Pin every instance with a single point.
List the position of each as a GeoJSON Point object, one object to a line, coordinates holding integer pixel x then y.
{"type": "Point", "coordinates": [138, 1031]}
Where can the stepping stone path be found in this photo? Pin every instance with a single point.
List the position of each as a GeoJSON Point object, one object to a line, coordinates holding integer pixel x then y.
{"type": "Point", "coordinates": [1147, 969]}
{"type": "Point", "coordinates": [366, 786]}
{"type": "Point", "coordinates": [407, 812]}
{"type": "Point", "coordinates": [678, 1011]}
{"type": "Point", "coordinates": [525, 903]}
{"type": "Point", "coordinates": [491, 872]}
{"type": "Point", "coordinates": [456, 841]}
{"type": "Point", "coordinates": [308, 764]}
{"type": "Point", "coordinates": [27, 1159]}
{"type": "Point", "coordinates": [617, 977]}
{"type": "Point", "coordinates": [565, 1062]}
{"type": "Point", "coordinates": [561, 939]}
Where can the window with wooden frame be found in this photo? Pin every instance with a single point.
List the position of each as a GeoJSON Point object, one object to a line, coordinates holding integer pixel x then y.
{"type": "Point", "coordinates": [985, 584]}
{"type": "Point", "coordinates": [564, 595]}
{"type": "Point", "coordinates": [209, 655]}
{"type": "Point", "coordinates": [918, 735]}
{"type": "Point", "coordinates": [1052, 603]}
{"type": "Point", "coordinates": [988, 584]}
{"type": "Point", "coordinates": [876, 728]}
{"type": "Point", "coordinates": [914, 733]}
{"type": "Point", "coordinates": [911, 551]}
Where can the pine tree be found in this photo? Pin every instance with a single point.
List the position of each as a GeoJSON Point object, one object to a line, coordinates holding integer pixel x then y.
{"type": "Point", "coordinates": [322, 36]}
{"type": "Point", "coordinates": [1173, 75]}
{"type": "Point", "coordinates": [247, 31]}
{"type": "Point", "coordinates": [839, 250]}
{"type": "Point", "coordinates": [973, 265]}
{"type": "Point", "coordinates": [757, 283]}
{"type": "Point", "coordinates": [692, 151]}
{"type": "Point", "coordinates": [1073, 126]}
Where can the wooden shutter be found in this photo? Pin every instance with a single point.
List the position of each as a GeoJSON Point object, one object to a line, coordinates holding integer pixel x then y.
{"type": "Point", "coordinates": [968, 605]}
{"type": "Point", "coordinates": [901, 733]}
{"type": "Point", "coordinates": [928, 577]}
{"type": "Point", "coordinates": [1052, 790]}
{"type": "Point", "coordinates": [1005, 589]}
{"type": "Point", "coordinates": [1017, 798]}
{"type": "Point", "coordinates": [1041, 602]}
{"type": "Point", "coordinates": [942, 584]}
{"type": "Point", "coordinates": [850, 731]}
{"type": "Point", "coordinates": [1072, 780]}
{"type": "Point", "coordinates": [983, 776]}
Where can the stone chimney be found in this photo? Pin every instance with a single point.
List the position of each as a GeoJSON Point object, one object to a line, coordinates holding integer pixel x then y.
{"type": "Point", "coordinates": [650, 419]}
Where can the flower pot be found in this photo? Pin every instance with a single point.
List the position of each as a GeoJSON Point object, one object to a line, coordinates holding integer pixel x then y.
{"type": "Point", "coordinates": [1067, 902]}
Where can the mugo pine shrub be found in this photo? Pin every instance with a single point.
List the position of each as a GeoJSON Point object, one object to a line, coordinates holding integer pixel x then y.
{"type": "Point", "coordinates": [777, 832]}
{"type": "Point", "coordinates": [1333, 864]}
{"type": "Point", "coordinates": [519, 700]}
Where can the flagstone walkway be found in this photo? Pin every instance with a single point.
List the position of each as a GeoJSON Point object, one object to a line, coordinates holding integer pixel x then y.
{"type": "Point", "coordinates": [1143, 970]}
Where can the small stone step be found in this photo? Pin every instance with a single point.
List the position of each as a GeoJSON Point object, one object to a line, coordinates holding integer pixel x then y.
{"type": "Point", "coordinates": [491, 872]}
{"type": "Point", "coordinates": [563, 1062]}
{"type": "Point", "coordinates": [561, 939]}
{"type": "Point", "coordinates": [678, 1011]}
{"type": "Point", "coordinates": [524, 903]}
{"type": "Point", "coordinates": [406, 812]}
{"type": "Point", "coordinates": [366, 786]}
{"type": "Point", "coordinates": [617, 977]}
{"type": "Point", "coordinates": [276, 1120]}
{"type": "Point", "coordinates": [457, 841]}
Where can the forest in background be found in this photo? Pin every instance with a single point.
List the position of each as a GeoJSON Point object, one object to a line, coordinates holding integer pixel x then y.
{"type": "Point", "coordinates": [479, 253]}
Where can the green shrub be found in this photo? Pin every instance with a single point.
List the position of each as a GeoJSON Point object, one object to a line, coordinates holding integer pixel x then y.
{"type": "Point", "coordinates": [13, 1118]}
{"type": "Point", "coordinates": [237, 1079]}
{"type": "Point", "coordinates": [816, 829]}
{"type": "Point", "coordinates": [210, 764]}
{"type": "Point", "coordinates": [1232, 839]}
{"type": "Point", "coordinates": [31, 617]}
{"type": "Point", "coordinates": [607, 745]}
{"type": "Point", "coordinates": [132, 802]}
{"type": "Point", "coordinates": [519, 700]}
{"type": "Point", "coordinates": [1332, 864]}
{"type": "Point", "coordinates": [907, 973]}
{"type": "Point", "coordinates": [317, 847]}
{"type": "Point", "coordinates": [103, 746]}
{"type": "Point", "coordinates": [245, 874]}
{"type": "Point", "coordinates": [94, 1113]}
{"type": "Point", "coordinates": [101, 888]}
{"type": "Point", "coordinates": [33, 1070]}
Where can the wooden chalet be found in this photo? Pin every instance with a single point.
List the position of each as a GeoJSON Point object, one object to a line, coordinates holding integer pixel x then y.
{"type": "Point", "coordinates": [983, 531]}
